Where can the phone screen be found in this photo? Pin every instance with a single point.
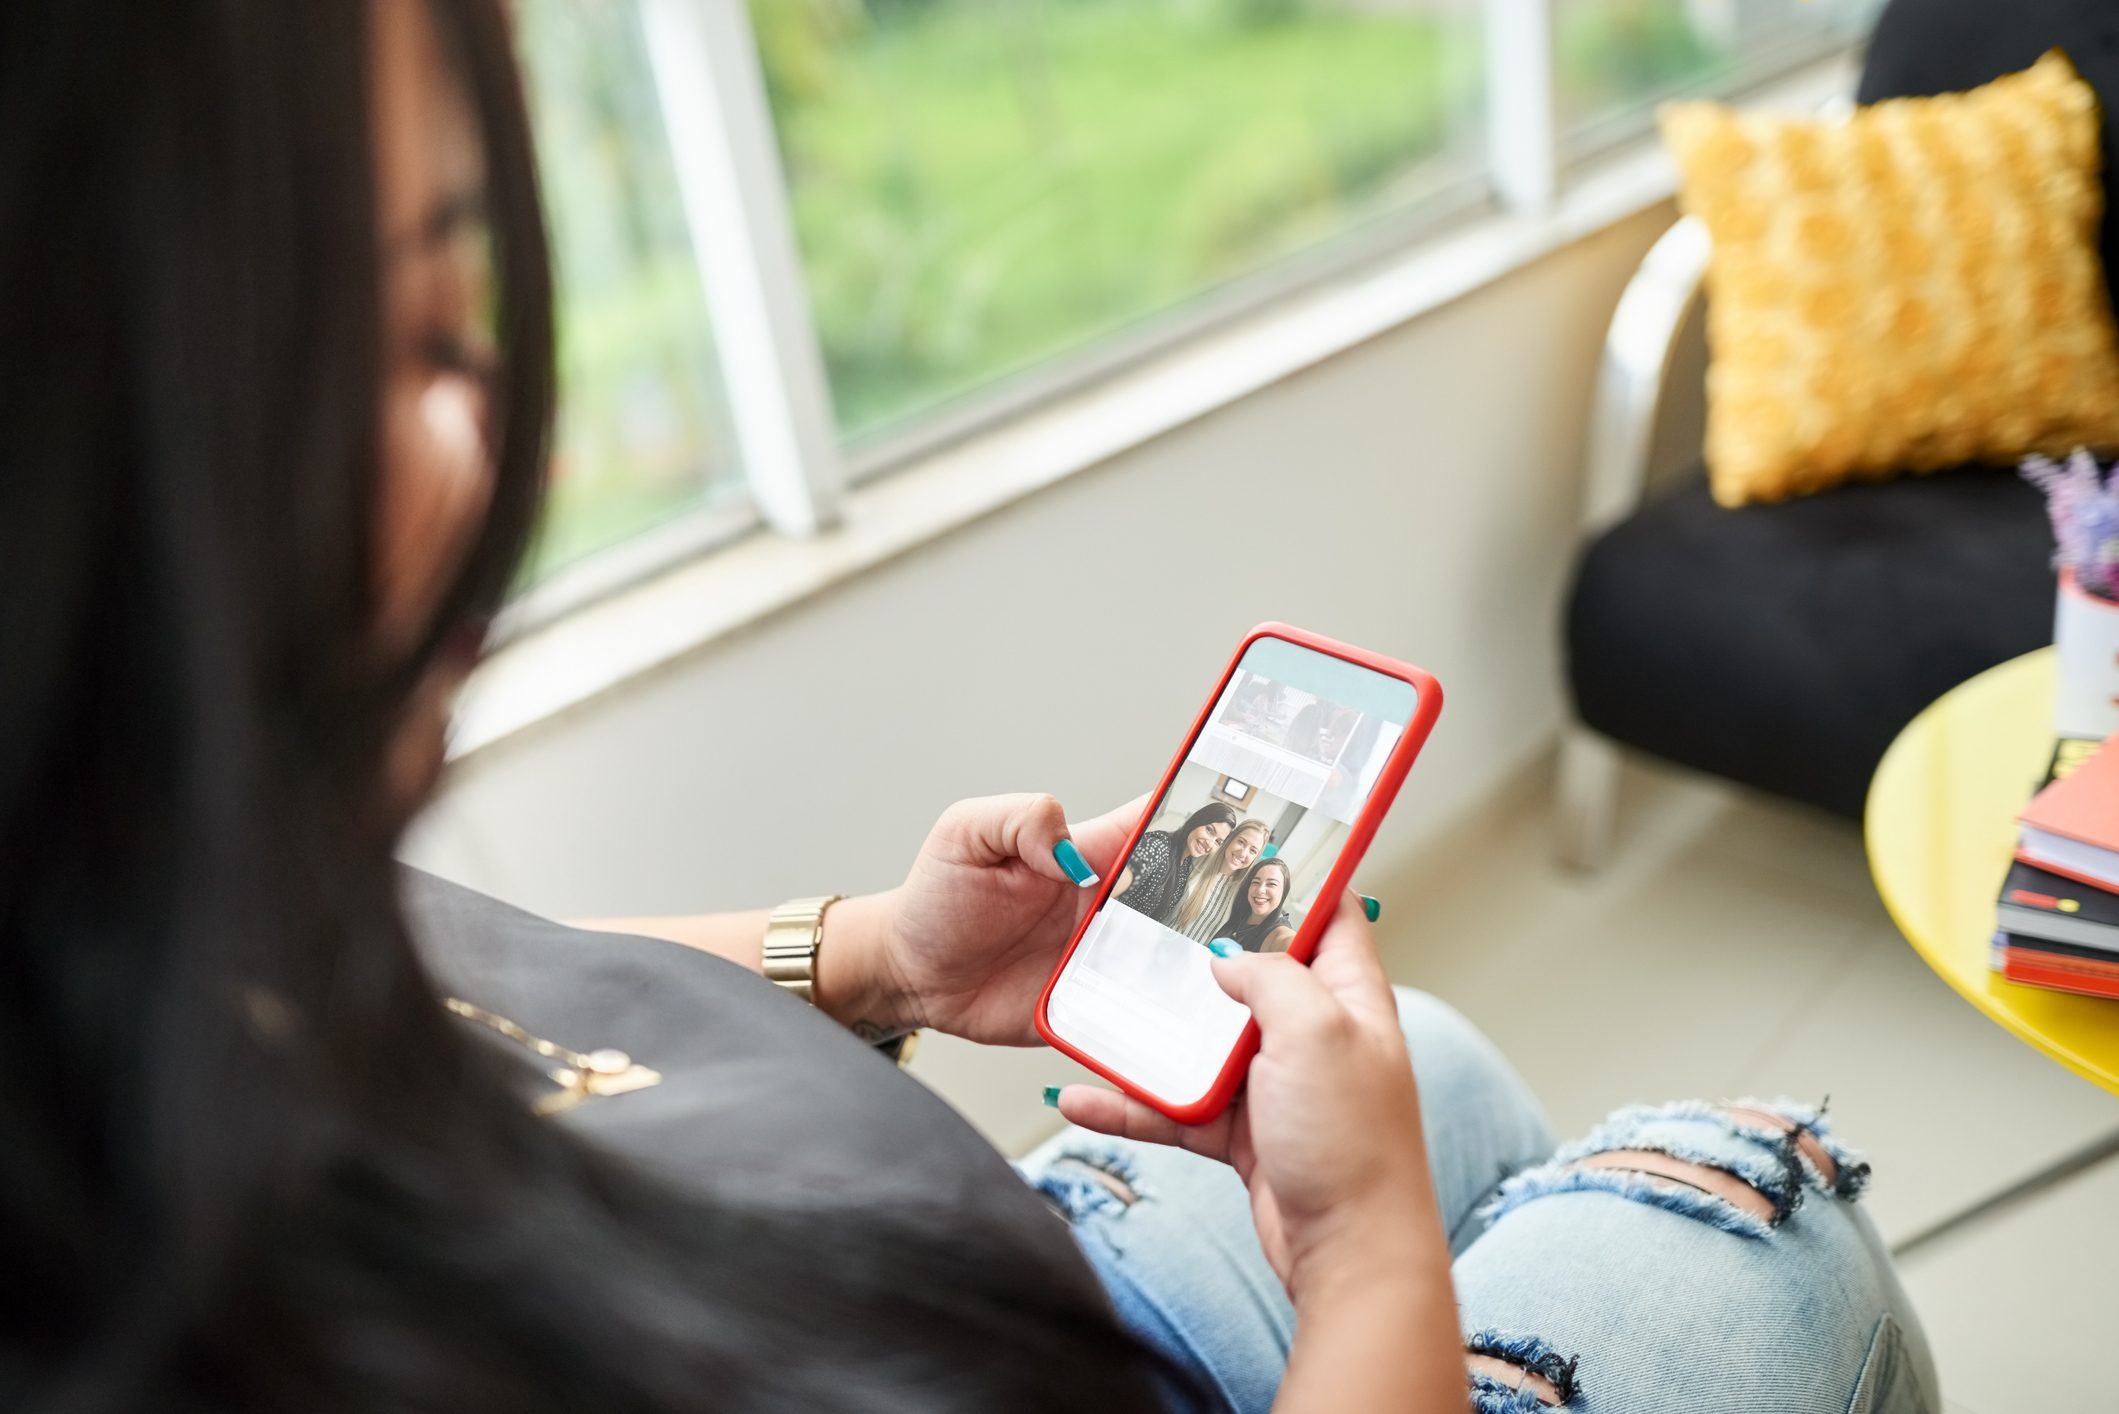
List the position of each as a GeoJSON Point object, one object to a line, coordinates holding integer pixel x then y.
{"type": "Point", "coordinates": [1238, 847]}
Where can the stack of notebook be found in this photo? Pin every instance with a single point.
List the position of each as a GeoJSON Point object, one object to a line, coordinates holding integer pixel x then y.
{"type": "Point", "coordinates": [2059, 908]}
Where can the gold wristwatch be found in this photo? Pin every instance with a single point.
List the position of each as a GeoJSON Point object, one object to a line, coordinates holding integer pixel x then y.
{"type": "Point", "coordinates": [793, 932]}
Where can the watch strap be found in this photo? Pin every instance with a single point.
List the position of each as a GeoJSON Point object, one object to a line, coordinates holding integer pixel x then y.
{"type": "Point", "coordinates": [792, 932]}
{"type": "Point", "coordinates": [900, 1048]}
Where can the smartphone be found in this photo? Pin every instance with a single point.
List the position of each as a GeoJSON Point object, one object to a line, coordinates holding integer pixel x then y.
{"type": "Point", "coordinates": [1251, 838]}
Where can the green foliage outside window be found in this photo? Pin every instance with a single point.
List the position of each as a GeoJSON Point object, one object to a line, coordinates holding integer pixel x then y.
{"type": "Point", "coordinates": [981, 185]}
{"type": "Point", "coordinates": [641, 430]}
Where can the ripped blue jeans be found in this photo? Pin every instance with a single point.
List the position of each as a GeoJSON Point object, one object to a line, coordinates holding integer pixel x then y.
{"type": "Point", "coordinates": [1621, 1290]}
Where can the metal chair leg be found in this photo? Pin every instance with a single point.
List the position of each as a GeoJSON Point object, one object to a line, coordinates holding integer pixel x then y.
{"type": "Point", "coordinates": [1586, 798]}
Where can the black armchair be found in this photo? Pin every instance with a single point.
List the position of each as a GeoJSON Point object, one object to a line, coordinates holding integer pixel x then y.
{"type": "Point", "coordinates": [1784, 646]}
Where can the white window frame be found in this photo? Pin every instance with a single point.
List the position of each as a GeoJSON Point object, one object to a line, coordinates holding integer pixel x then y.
{"type": "Point", "coordinates": [711, 86]}
{"type": "Point", "coordinates": [704, 57]}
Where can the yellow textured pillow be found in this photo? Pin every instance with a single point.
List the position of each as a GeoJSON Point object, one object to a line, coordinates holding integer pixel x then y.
{"type": "Point", "coordinates": [1912, 287]}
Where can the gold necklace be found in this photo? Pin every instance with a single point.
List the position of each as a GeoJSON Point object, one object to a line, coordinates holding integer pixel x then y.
{"type": "Point", "coordinates": [604, 1071]}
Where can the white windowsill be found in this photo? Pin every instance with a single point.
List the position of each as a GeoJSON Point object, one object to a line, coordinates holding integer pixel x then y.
{"type": "Point", "coordinates": [591, 650]}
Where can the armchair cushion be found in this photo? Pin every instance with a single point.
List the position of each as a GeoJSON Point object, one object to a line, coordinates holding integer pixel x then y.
{"type": "Point", "coordinates": [1911, 288]}
{"type": "Point", "coordinates": [1786, 646]}
{"type": "Point", "coordinates": [1923, 47]}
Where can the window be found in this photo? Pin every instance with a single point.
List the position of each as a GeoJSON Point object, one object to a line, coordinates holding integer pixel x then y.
{"type": "Point", "coordinates": [642, 429]}
{"type": "Point", "coordinates": [961, 193]}
{"type": "Point", "coordinates": [1615, 60]}
{"type": "Point", "coordinates": [978, 186]}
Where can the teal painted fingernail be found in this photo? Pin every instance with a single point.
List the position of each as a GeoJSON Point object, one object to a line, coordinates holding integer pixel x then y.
{"type": "Point", "coordinates": [1070, 859]}
{"type": "Point", "coordinates": [1223, 947]}
{"type": "Point", "coordinates": [1371, 907]}
{"type": "Point", "coordinates": [1052, 1097]}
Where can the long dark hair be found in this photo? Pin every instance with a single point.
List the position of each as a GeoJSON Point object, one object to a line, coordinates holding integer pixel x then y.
{"type": "Point", "coordinates": [1238, 924]}
{"type": "Point", "coordinates": [1214, 812]}
{"type": "Point", "coordinates": [245, 1163]}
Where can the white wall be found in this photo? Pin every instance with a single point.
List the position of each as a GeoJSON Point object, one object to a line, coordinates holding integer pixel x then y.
{"type": "Point", "coordinates": [1417, 495]}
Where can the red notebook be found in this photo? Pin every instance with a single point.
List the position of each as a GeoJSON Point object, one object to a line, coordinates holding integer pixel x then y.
{"type": "Point", "coordinates": [2072, 826]}
{"type": "Point", "coordinates": [2056, 969]}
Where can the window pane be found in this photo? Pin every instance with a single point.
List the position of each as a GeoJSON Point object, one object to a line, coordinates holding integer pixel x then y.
{"type": "Point", "coordinates": [1618, 58]}
{"type": "Point", "coordinates": [979, 185]}
{"type": "Point", "coordinates": [642, 425]}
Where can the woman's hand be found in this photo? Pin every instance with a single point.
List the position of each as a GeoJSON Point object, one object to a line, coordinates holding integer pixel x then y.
{"type": "Point", "coordinates": [968, 941]}
{"type": "Point", "coordinates": [1326, 1133]}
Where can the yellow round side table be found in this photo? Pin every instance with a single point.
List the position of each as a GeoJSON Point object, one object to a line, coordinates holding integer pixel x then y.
{"type": "Point", "coordinates": [1940, 827]}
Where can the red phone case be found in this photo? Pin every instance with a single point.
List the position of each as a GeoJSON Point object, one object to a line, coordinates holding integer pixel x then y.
{"type": "Point", "coordinates": [1426, 708]}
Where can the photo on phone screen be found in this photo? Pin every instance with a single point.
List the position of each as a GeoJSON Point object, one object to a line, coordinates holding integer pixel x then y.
{"type": "Point", "coordinates": [1237, 848]}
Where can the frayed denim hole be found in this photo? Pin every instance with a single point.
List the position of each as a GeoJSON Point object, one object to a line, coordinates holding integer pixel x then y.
{"type": "Point", "coordinates": [1799, 1174]}
{"type": "Point", "coordinates": [1548, 1180]}
{"type": "Point", "coordinates": [1079, 1184]}
{"type": "Point", "coordinates": [1530, 1353]}
{"type": "Point", "coordinates": [1851, 1171]}
{"type": "Point", "coordinates": [1777, 1177]}
{"type": "Point", "coordinates": [1491, 1396]}
{"type": "Point", "coordinates": [1774, 1176]}
{"type": "Point", "coordinates": [1625, 1129]}
{"type": "Point", "coordinates": [1853, 1180]}
{"type": "Point", "coordinates": [1770, 1174]}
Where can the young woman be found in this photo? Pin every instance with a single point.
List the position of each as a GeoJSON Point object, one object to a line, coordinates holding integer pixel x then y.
{"type": "Point", "coordinates": [1320, 730]}
{"type": "Point", "coordinates": [1162, 863]}
{"type": "Point", "coordinates": [1213, 884]}
{"type": "Point", "coordinates": [1258, 707]}
{"type": "Point", "coordinates": [293, 1131]}
{"type": "Point", "coordinates": [1257, 921]}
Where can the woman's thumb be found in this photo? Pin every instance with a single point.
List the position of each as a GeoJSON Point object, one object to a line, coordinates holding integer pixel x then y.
{"type": "Point", "coordinates": [1279, 990]}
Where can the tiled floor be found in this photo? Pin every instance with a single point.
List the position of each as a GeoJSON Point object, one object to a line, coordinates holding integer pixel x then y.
{"type": "Point", "coordinates": [1735, 946]}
